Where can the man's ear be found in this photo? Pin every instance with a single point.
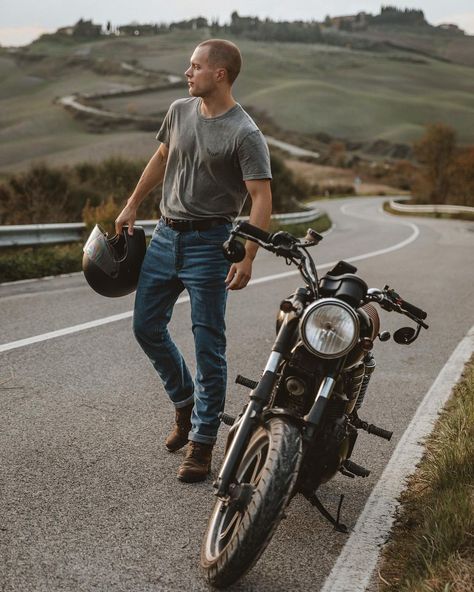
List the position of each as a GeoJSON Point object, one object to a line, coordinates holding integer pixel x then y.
{"type": "Point", "coordinates": [221, 74]}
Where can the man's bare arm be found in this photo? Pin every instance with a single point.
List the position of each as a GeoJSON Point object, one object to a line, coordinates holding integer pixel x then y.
{"type": "Point", "coordinates": [260, 213]}
{"type": "Point", "coordinates": [152, 176]}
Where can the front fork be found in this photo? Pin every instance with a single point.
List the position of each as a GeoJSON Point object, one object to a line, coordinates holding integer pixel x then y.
{"type": "Point", "coordinates": [259, 398]}
{"type": "Point", "coordinates": [315, 414]}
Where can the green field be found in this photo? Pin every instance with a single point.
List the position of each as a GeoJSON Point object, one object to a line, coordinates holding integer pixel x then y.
{"type": "Point", "coordinates": [357, 95]}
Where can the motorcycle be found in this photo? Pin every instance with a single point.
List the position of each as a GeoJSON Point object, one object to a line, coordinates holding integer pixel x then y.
{"type": "Point", "coordinates": [301, 422]}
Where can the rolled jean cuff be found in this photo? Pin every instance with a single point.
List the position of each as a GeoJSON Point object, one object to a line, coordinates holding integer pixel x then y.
{"type": "Point", "coordinates": [184, 403]}
{"type": "Point", "coordinates": [193, 437]}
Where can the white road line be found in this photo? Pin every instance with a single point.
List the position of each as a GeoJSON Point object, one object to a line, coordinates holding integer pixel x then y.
{"type": "Point", "coordinates": [74, 329]}
{"type": "Point", "coordinates": [45, 293]}
{"type": "Point", "coordinates": [354, 566]}
{"type": "Point", "coordinates": [278, 276]}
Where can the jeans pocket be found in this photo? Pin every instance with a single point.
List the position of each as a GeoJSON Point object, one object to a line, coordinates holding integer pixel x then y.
{"type": "Point", "coordinates": [214, 236]}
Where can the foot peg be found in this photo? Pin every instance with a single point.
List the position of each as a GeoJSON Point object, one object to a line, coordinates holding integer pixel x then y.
{"type": "Point", "coordinates": [380, 432]}
{"type": "Point", "coordinates": [247, 382]}
{"type": "Point", "coordinates": [356, 469]}
{"type": "Point", "coordinates": [370, 428]}
{"type": "Point", "coordinates": [227, 419]}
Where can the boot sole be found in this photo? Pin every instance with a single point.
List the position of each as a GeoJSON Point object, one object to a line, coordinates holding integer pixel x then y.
{"type": "Point", "coordinates": [193, 478]}
{"type": "Point", "coordinates": [175, 448]}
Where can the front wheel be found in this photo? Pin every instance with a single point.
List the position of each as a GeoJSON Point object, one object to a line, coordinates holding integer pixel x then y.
{"type": "Point", "coordinates": [239, 530]}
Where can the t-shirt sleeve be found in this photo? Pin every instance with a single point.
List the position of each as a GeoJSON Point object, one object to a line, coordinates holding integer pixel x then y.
{"type": "Point", "coordinates": [254, 157]}
{"type": "Point", "coordinates": [163, 134]}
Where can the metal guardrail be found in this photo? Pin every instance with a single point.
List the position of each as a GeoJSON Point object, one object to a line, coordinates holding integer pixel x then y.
{"type": "Point", "coordinates": [430, 208]}
{"type": "Point", "coordinates": [40, 234]}
{"type": "Point", "coordinates": [49, 234]}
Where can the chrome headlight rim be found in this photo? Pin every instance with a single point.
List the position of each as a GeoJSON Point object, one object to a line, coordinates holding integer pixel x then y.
{"type": "Point", "coordinates": [321, 303]}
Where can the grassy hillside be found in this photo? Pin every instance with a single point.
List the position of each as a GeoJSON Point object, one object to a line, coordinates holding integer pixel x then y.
{"type": "Point", "coordinates": [445, 45]}
{"type": "Point", "coordinates": [358, 95]}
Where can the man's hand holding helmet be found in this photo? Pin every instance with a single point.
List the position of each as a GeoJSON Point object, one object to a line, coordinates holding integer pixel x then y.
{"type": "Point", "coordinates": [126, 217]}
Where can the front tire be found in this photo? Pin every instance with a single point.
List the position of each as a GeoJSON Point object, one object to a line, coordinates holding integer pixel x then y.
{"type": "Point", "coordinates": [235, 538]}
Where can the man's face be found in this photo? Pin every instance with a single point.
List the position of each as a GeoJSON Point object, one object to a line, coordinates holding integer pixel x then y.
{"type": "Point", "coordinates": [201, 77]}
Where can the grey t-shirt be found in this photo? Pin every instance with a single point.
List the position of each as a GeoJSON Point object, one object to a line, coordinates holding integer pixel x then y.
{"type": "Point", "coordinates": [208, 161]}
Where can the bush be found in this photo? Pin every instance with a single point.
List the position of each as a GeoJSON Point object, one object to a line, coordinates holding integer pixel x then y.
{"type": "Point", "coordinates": [462, 184]}
{"type": "Point", "coordinates": [447, 173]}
{"type": "Point", "coordinates": [104, 214]}
{"type": "Point", "coordinates": [287, 189]}
{"type": "Point", "coordinates": [32, 262]}
{"type": "Point", "coordinates": [436, 151]}
{"type": "Point", "coordinates": [39, 195]}
{"type": "Point", "coordinates": [44, 194]}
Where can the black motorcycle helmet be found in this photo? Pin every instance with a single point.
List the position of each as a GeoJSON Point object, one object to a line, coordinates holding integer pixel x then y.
{"type": "Point", "coordinates": [112, 265]}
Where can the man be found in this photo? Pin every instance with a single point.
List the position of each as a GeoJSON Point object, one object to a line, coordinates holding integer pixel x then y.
{"type": "Point", "coordinates": [212, 156]}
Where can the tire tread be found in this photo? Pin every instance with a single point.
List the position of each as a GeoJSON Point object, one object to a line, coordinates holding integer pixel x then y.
{"type": "Point", "coordinates": [261, 519]}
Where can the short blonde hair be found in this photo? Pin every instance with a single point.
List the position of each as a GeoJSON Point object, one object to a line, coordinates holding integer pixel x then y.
{"type": "Point", "coordinates": [224, 54]}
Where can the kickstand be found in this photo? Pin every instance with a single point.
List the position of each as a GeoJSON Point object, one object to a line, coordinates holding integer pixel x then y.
{"type": "Point", "coordinates": [315, 501]}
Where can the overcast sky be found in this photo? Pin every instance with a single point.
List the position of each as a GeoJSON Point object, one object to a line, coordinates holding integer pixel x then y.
{"type": "Point", "coordinates": [21, 21]}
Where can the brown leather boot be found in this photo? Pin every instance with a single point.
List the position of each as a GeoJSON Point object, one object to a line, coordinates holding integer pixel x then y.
{"type": "Point", "coordinates": [179, 436]}
{"type": "Point", "coordinates": [197, 464]}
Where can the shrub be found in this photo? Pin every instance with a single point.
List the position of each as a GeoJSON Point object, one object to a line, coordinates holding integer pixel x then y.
{"type": "Point", "coordinates": [45, 194]}
{"type": "Point", "coordinates": [287, 189]}
{"type": "Point", "coordinates": [104, 214]}
{"type": "Point", "coordinates": [41, 194]}
{"type": "Point", "coordinates": [435, 150]}
{"type": "Point", "coordinates": [32, 262]}
{"type": "Point", "coordinates": [462, 184]}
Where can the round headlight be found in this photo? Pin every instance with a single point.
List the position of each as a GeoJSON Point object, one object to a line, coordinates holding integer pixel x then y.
{"type": "Point", "coordinates": [329, 328]}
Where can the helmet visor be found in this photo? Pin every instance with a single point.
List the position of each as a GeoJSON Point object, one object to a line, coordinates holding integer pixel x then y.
{"type": "Point", "coordinates": [100, 252]}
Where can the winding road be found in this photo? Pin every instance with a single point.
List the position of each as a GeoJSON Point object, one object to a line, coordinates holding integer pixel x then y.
{"type": "Point", "coordinates": [88, 494]}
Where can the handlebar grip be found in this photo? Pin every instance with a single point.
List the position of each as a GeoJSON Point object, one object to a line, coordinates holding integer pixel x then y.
{"type": "Point", "coordinates": [421, 314]}
{"type": "Point", "coordinates": [255, 232]}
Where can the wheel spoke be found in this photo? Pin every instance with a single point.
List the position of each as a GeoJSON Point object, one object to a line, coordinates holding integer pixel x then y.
{"type": "Point", "coordinates": [259, 465]}
{"type": "Point", "coordinates": [234, 523]}
{"type": "Point", "coordinates": [256, 467]}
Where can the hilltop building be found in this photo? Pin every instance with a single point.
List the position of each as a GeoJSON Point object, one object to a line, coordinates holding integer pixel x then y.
{"type": "Point", "coordinates": [82, 29]}
{"type": "Point", "coordinates": [451, 27]}
{"type": "Point", "coordinates": [351, 22]}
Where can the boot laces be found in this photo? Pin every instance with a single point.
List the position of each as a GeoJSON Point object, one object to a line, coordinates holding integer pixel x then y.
{"type": "Point", "coordinates": [196, 449]}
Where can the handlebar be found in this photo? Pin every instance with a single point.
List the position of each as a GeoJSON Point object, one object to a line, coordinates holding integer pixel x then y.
{"type": "Point", "coordinates": [281, 243]}
{"type": "Point", "coordinates": [421, 314]}
{"type": "Point", "coordinates": [390, 300]}
{"type": "Point", "coordinates": [404, 305]}
{"type": "Point", "coordinates": [256, 232]}
{"type": "Point", "coordinates": [284, 244]}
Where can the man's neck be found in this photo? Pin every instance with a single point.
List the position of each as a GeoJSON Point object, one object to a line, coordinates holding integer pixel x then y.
{"type": "Point", "coordinates": [214, 106]}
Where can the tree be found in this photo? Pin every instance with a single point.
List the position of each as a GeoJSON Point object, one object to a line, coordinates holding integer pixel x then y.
{"type": "Point", "coordinates": [436, 151]}
{"type": "Point", "coordinates": [462, 186]}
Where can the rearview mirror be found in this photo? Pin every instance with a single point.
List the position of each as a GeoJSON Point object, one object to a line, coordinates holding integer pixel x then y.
{"type": "Point", "coordinates": [405, 335]}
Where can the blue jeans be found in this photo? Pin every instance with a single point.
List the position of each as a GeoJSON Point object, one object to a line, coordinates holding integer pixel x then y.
{"type": "Point", "coordinates": [194, 261]}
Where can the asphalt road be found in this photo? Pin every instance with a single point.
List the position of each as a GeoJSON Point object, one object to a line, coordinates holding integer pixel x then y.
{"type": "Point", "coordinates": [88, 494]}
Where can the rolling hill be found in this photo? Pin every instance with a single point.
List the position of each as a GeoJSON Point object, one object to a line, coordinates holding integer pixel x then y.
{"type": "Point", "coordinates": [388, 92]}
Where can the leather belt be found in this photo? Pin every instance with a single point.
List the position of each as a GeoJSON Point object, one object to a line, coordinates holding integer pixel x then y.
{"type": "Point", "coordinates": [188, 225]}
